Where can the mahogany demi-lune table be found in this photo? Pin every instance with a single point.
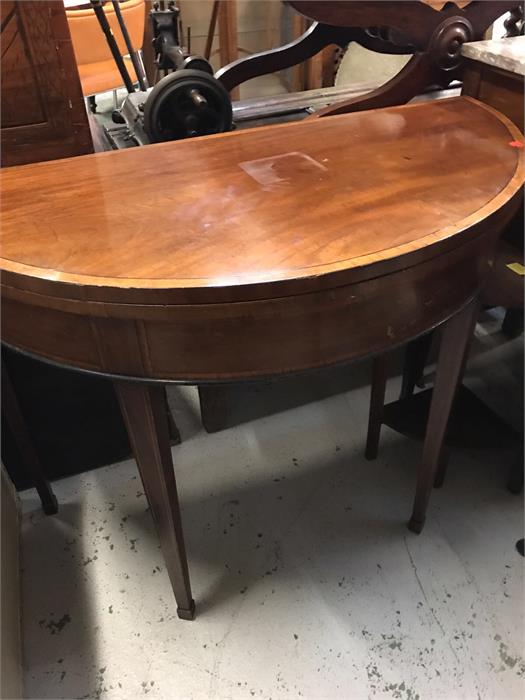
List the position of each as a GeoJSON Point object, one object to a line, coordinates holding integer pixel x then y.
{"type": "Point", "coordinates": [254, 254]}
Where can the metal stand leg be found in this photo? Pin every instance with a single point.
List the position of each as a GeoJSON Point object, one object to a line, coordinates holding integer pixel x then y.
{"type": "Point", "coordinates": [144, 411]}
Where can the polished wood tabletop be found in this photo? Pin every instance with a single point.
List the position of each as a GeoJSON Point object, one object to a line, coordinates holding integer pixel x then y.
{"type": "Point", "coordinates": [258, 253]}
{"type": "Point", "coordinates": [288, 206]}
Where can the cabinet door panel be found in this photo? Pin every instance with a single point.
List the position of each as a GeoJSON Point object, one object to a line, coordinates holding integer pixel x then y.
{"type": "Point", "coordinates": [42, 108]}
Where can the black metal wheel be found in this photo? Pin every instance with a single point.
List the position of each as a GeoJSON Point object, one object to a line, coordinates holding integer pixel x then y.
{"type": "Point", "coordinates": [187, 103]}
{"type": "Point", "coordinates": [197, 63]}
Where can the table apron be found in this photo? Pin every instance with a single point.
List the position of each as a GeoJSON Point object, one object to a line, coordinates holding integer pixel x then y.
{"type": "Point", "coordinates": [260, 338]}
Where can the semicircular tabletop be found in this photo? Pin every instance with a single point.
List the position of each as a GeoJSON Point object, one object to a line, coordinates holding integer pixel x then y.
{"type": "Point", "coordinates": [267, 205]}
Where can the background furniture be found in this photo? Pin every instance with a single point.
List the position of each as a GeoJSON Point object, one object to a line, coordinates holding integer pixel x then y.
{"type": "Point", "coordinates": [494, 74]}
{"type": "Point", "coordinates": [432, 34]}
{"type": "Point", "coordinates": [42, 110]}
{"type": "Point", "coordinates": [11, 685]}
{"type": "Point", "coordinates": [47, 413]}
{"type": "Point", "coordinates": [96, 67]}
{"type": "Point", "coordinates": [273, 283]}
{"type": "Point", "coordinates": [24, 443]}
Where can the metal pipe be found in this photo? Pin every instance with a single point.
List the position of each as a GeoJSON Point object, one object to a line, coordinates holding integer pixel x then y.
{"type": "Point", "coordinates": [113, 46]}
{"type": "Point", "coordinates": [141, 76]}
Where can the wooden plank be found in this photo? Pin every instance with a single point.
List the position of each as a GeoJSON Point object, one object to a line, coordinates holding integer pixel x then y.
{"type": "Point", "coordinates": [228, 36]}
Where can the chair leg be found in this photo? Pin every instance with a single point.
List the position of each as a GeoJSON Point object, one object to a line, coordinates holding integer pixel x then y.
{"type": "Point", "coordinates": [457, 333]}
{"type": "Point", "coordinates": [144, 410]}
{"type": "Point", "coordinates": [416, 356]}
{"type": "Point", "coordinates": [18, 427]}
{"type": "Point", "coordinates": [115, 100]}
{"type": "Point", "coordinates": [377, 402]}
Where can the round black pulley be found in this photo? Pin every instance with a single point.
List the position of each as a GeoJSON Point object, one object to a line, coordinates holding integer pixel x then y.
{"type": "Point", "coordinates": [197, 63]}
{"type": "Point", "coordinates": [187, 103]}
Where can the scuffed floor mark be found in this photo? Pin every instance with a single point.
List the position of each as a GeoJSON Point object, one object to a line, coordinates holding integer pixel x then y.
{"type": "Point", "coordinates": [374, 676]}
{"type": "Point", "coordinates": [56, 626]}
{"type": "Point", "coordinates": [508, 661]}
{"type": "Point", "coordinates": [401, 691]}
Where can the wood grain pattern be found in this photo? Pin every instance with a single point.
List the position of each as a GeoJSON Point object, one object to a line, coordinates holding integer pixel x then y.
{"type": "Point", "coordinates": [22, 103]}
{"type": "Point", "coordinates": [285, 205]}
{"type": "Point", "coordinates": [43, 113]}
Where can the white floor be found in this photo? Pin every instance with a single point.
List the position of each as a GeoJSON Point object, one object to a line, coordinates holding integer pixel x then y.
{"type": "Point", "coordinates": [307, 582]}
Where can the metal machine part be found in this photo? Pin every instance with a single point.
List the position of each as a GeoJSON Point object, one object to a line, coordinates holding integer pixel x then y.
{"type": "Point", "coordinates": [248, 113]}
{"type": "Point", "coordinates": [112, 44]}
{"type": "Point", "coordinates": [135, 56]}
{"type": "Point", "coordinates": [190, 101]}
{"type": "Point", "coordinates": [186, 103]}
{"type": "Point", "coordinates": [170, 54]}
{"type": "Point", "coordinates": [166, 23]}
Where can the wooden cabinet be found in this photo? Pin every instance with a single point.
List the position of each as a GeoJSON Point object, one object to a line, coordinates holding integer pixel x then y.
{"type": "Point", "coordinates": [42, 109]}
{"type": "Point", "coordinates": [501, 89]}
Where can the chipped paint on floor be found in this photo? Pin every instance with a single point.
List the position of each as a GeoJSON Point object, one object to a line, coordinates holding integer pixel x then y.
{"type": "Point", "coordinates": [307, 582]}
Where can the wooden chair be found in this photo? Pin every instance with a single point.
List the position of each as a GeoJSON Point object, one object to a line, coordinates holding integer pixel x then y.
{"type": "Point", "coordinates": [432, 32]}
{"type": "Point", "coordinates": [97, 69]}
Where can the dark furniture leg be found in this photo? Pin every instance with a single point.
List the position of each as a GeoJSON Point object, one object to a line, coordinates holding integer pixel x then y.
{"type": "Point", "coordinates": [144, 411]}
{"type": "Point", "coordinates": [377, 402]}
{"type": "Point", "coordinates": [17, 425]}
{"type": "Point", "coordinates": [441, 472]}
{"type": "Point", "coordinates": [515, 480]}
{"type": "Point", "coordinates": [512, 324]}
{"type": "Point", "coordinates": [457, 333]}
{"type": "Point", "coordinates": [416, 355]}
{"type": "Point", "coordinates": [92, 104]}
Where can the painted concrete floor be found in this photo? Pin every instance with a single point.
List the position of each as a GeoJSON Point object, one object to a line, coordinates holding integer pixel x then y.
{"type": "Point", "coordinates": [307, 582]}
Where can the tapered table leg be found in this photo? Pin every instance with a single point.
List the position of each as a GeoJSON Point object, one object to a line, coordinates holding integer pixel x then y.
{"type": "Point", "coordinates": [457, 333]}
{"type": "Point", "coordinates": [15, 420]}
{"type": "Point", "coordinates": [377, 402]}
{"type": "Point", "coordinates": [144, 410]}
